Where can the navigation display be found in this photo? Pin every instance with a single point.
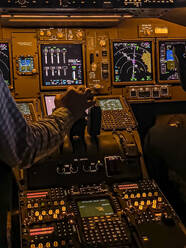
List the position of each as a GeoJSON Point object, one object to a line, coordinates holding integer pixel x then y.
{"type": "Point", "coordinates": [110, 104]}
{"type": "Point", "coordinates": [62, 64]}
{"type": "Point", "coordinates": [97, 207]}
{"type": "Point", "coordinates": [5, 62]}
{"type": "Point", "coordinates": [167, 68]}
{"type": "Point", "coordinates": [132, 61]}
{"type": "Point", "coordinates": [49, 103]}
{"type": "Point", "coordinates": [26, 64]}
{"type": "Point", "coordinates": [23, 108]}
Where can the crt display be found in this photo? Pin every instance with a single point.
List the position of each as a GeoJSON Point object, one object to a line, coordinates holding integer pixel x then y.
{"type": "Point", "coordinates": [49, 103]}
{"type": "Point", "coordinates": [95, 207]}
{"type": "Point", "coordinates": [23, 108]}
{"type": "Point", "coordinates": [62, 64]}
{"type": "Point", "coordinates": [166, 61]}
{"type": "Point", "coordinates": [132, 61]}
{"type": "Point", "coordinates": [26, 64]}
{"type": "Point", "coordinates": [5, 61]}
{"type": "Point", "coordinates": [110, 104]}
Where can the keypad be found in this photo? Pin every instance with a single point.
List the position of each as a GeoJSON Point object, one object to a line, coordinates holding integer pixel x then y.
{"type": "Point", "coordinates": [105, 229]}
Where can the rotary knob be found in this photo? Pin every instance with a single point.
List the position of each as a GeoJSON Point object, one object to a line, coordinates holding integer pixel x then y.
{"type": "Point", "coordinates": [21, 2]}
{"type": "Point", "coordinates": [60, 35]}
{"type": "Point", "coordinates": [49, 33]}
{"type": "Point", "coordinates": [41, 33]}
{"type": "Point", "coordinates": [102, 43]}
{"type": "Point", "coordinates": [79, 34]}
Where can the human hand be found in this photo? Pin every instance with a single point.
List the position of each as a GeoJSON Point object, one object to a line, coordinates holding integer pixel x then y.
{"type": "Point", "coordinates": [75, 100]}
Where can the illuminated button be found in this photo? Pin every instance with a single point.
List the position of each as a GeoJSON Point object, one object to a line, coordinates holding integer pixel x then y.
{"type": "Point", "coordinates": [56, 244]}
{"type": "Point", "coordinates": [155, 193]}
{"type": "Point", "coordinates": [132, 196]}
{"type": "Point", "coordinates": [159, 199]}
{"type": "Point", "coordinates": [62, 202]}
{"type": "Point", "coordinates": [136, 203]}
{"type": "Point", "coordinates": [142, 203]}
{"type": "Point", "coordinates": [37, 213]}
{"type": "Point", "coordinates": [150, 194]}
{"type": "Point", "coordinates": [49, 33]}
{"type": "Point", "coordinates": [55, 203]}
{"type": "Point", "coordinates": [42, 204]}
{"type": "Point", "coordinates": [43, 212]}
{"type": "Point", "coordinates": [29, 206]}
{"type": "Point", "coordinates": [60, 35]}
{"type": "Point", "coordinates": [138, 195]}
{"type": "Point", "coordinates": [32, 246]}
{"type": "Point", "coordinates": [48, 245]}
{"type": "Point", "coordinates": [57, 211]}
{"type": "Point", "coordinates": [154, 202]}
{"type": "Point", "coordinates": [126, 196]}
{"type": "Point", "coordinates": [148, 202]}
{"type": "Point", "coordinates": [35, 205]}
{"type": "Point", "coordinates": [50, 212]}
{"type": "Point", "coordinates": [140, 207]}
{"type": "Point", "coordinates": [144, 194]}
{"type": "Point", "coordinates": [55, 216]}
{"type": "Point", "coordinates": [40, 245]}
{"type": "Point", "coordinates": [42, 33]}
{"type": "Point", "coordinates": [40, 217]}
{"type": "Point", "coordinates": [63, 209]}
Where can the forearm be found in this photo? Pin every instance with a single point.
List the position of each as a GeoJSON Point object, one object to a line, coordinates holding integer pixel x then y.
{"type": "Point", "coordinates": [49, 133]}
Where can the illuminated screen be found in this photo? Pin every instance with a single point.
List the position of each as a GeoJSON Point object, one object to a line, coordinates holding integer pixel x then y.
{"type": "Point", "coordinates": [23, 108]}
{"type": "Point", "coordinates": [5, 62]}
{"type": "Point", "coordinates": [26, 64]}
{"type": "Point", "coordinates": [62, 64]}
{"type": "Point", "coordinates": [166, 60]}
{"type": "Point", "coordinates": [132, 61]}
{"type": "Point", "coordinates": [49, 103]}
{"type": "Point", "coordinates": [110, 104]}
{"type": "Point", "coordinates": [98, 207]}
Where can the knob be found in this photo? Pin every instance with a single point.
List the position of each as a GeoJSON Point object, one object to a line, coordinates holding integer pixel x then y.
{"type": "Point", "coordinates": [60, 35]}
{"type": "Point", "coordinates": [102, 43]}
{"type": "Point", "coordinates": [79, 34]}
{"type": "Point", "coordinates": [94, 67]}
{"type": "Point", "coordinates": [21, 2]}
{"type": "Point", "coordinates": [34, 71]}
{"type": "Point", "coordinates": [42, 33]}
{"type": "Point", "coordinates": [49, 33]}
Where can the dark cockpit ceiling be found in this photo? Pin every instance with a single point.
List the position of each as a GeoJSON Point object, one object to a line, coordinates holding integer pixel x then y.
{"type": "Point", "coordinates": [15, 15]}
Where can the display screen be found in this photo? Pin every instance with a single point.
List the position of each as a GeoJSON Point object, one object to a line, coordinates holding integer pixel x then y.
{"type": "Point", "coordinates": [5, 62]}
{"type": "Point", "coordinates": [62, 64]}
{"type": "Point", "coordinates": [132, 61]}
{"type": "Point", "coordinates": [26, 64]}
{"type": "Point", "coordinates": [23, 108]}
{"type": "Point", "coordinates": [49, 103]}
{"type": "Point", "coordinates": [97, 207]}
{"type": "Point", "coordinates": [110, 104]}
{"type": "Point", "coordinates": [167, 65]}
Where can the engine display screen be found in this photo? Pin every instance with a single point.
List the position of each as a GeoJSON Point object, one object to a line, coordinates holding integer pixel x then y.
{"type": "Point", "coordinates": [132, 61]}
{"type": "Point", "coordinates": [167, 65]}
{"type": "Point", "coordinates": [5, 62]}
{"type": "Point", "coordinates": [26, 64]}
{"type": "Point", "coordinates": [62, 64]}
{"type": "Point", "coordinates": [97, 207]}
{"type": "Point", "coordinates": [49, 103]}
{"type": "Point", "coordinates": [23, 108]}
{"type": "Point", "coordinates": [110, 104]}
